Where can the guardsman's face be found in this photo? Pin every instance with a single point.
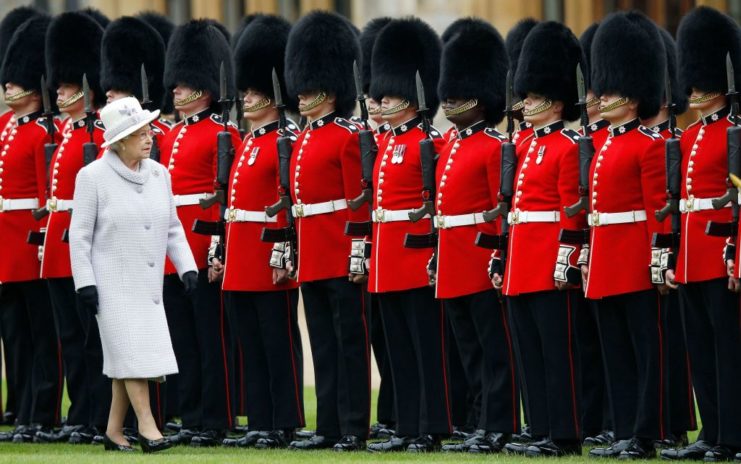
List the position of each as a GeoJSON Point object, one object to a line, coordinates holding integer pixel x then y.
{"type": "Point", "coordinates": [374, 110]}
{"type": "Point", "coordinates": [113, 95]}
{"type": "Point", "coordinates": [181, 92]}
{"type": "Point", "coordinates": [466, 118]}
{"type": "Point", "coordinates": [252, 98]}
{"type": "Point", "coordinates": [592, 111]}
{"type": "Point", "coordinates": [710, 105]}
{"type": "Point", "coordinates": [398, 117]}
{"type": "Point", "coordinates": [64, 93]}
{"type": "Point", "coordinates": [533, 102]}
{"type": "Point", "coordinates": [326, 107]}
{"type": "Point", "coordinates": [12, 89]}
{"type": "Point", "coordinates": [620, 114]}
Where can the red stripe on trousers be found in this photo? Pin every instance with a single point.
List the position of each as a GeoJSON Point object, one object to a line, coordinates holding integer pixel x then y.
{"type": "Point", "coordinates": [293, 362]}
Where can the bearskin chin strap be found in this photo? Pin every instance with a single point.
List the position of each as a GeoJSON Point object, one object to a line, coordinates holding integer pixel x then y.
{"type": "Point", "coordinates": [318, 100]}
{"type": "Point", "coordinates": [547, 103]}
{"type": "Point", "coordinates": [594, 101]}
{"type": "Point", "coordinates": [264, 103]}
{"type": "Point", "coordinates": [472, 103]}
{"type": "Point", "coordinates": [375, 111]}
{"type": "Point", "coordinates": [518, 106]}
{"type": "Point", "coordinates": [616, 104]}
{"type": "Point", "coordinates": [400, 107]}
{"type": "Point", "coordinates": [189, 99]}
{"type": "Point", "coordinates": [18, 96]}
{"type": "Point", "coordinates": [704, 97]}
{"type": "Point", "coordinates": [68, 102]}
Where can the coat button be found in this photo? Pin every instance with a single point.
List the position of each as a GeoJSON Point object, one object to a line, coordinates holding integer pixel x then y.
{"type": "Point", "coordinates": [156, 301]}
{"type": "Point", "coordinates": [147, 226]}
{"type": "Point", "coordinates": [139, 189]}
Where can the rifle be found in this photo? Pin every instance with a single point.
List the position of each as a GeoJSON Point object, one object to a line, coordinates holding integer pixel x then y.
{"type": "Point", "coordinates": [508, 163]}
{"type": "Point", "coordinates": [285, 149]}
{"type": "Point", "coordinates": [89, 149]}
{"type": "Point", "coordinates": [154, 154]}
{"type": "Point", "coordinates": [224, 146]}
{"type": "Point", "coordinates": [50, 147]}
{"type": "Point", "coordinates": [673, 178]}
{"type": "Point", "coordinates": [428, 159]}
{"type": "Point", "coordinates": [733, 135]}
{"type": "Point", "coordinates": [368, 152]}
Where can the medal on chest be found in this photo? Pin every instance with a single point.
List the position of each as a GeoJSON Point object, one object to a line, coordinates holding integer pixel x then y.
{"type": "Point", "coordinates": [541, 153]}
{"type": "Point", "coordinates": [398, 156]}
{"type": "Point", "coordinates": [253, 156]}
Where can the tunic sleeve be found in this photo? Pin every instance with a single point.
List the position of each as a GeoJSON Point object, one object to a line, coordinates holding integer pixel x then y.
{"type": "Point", "coordinates": [82, 229]}
{"type": "Point", "coordinates": [178, 249]}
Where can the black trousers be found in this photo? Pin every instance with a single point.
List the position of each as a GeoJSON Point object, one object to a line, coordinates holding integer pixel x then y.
{"type": "Point", "coordinates": [415, 327]}
{"type": "Point", "coordinates": [465, 397]}
{"type": "Point", "coordinates": [198, 332]}
{"type": "Point", "coordinates": [711, 321]}
{"type": "Point", "coordinates": [266, 325]}
{"type": "Point", "coordinates": [544, 322]}
{"type": "Point", "coordinates": [337, 319]}
{"type": "Point", "coordinates": [10, 358]}
{"type": "Point", "coordinates": [385, 413]}
{"type": "Point", "coordinates": [28, 318]}
{"type": "Point", "coordinates": [634, 349]}
{"type": "Point", "coordinates": [595, 407]}
{"type": "Point", "coordinates": [680, 397]}
{"type": "Point", "coordinates": [481, 329]}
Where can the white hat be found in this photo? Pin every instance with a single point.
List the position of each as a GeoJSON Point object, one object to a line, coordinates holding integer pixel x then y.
{"type": "Point", "coordinates": [123, 117]}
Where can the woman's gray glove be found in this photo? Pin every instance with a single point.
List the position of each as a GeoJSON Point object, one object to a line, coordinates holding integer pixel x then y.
{"type": "Point", "coordinates": [190, 282]}
{"type": "Point", "coordinates": [89, 297]}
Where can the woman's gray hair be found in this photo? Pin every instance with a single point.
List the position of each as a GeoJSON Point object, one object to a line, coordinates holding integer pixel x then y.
{"type": "Point", "coordinates": [117, 147]}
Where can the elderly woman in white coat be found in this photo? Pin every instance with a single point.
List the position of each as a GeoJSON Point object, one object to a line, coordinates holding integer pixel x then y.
{"type": "Point", "coordinates": [123, 225]}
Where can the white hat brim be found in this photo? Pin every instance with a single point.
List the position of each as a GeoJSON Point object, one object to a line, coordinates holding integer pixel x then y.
{"type": "Point", "coordinates": [125, 133]}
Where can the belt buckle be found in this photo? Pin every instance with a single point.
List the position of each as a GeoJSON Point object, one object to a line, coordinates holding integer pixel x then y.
{"type": "Point", "coordinates": [232, 215]}
{"type": "Point", "coordinates": [380, 215]}
{"type": "Point", "coordinates": [595, 218]}
{"type": "Point", "coordinates": [299, 209]}
{"type": "Point", "coordinates": [690, 204]}
{"type": "Point", "coordinates": [441, 222]}
{"type": "Point", "coordinates": [52, 207]}
{"type": "Point", "coordinates": [516, 217]}
{"type": "Point", "coordinates": [1, 204]}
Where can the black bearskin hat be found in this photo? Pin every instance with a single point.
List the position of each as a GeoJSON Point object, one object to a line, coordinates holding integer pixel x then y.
{"type": "Point", "coordinates": [319, 56]}
{"type": "Point", "coordinates": [128, 43]}
{"type": "Point", "coordinates": [404, 47]}
{"type": "Point", "coordinates": [24, 57]}
{"type": "Point", "coordinates": [679, 98]}
{"type": "Point", "coordinates": [585, 40]}
{"type": "Point", "coordinates": [194, 58]}
{"type": "Point", "coordinates": [704, 38]}
{"type": "Point", "coordinates": [515, 39]}
{"type": "Point", "coordinates": [483, 77]}
{"type": "Point", "coordinates": [367, 41]}
{"type": "Point", "coordinates": [547, 66]}
{"type": "Point", "coordinates": [98, 16]}
{"type": "Point", "coordinates": [628, 59]}
{"type": "Point", "coordinates": [160, 23]}
{"type": "Point", "coordinates": [241, 27]}
{"type": "Point", "coordinates": [11, 22]}
{"type": "Point", "coordinates": [260, 49]}
{"type": "Point", "coordinates": [73, 49]}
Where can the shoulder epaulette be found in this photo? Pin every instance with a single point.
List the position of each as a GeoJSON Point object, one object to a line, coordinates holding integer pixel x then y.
{"type": "Point", "coordinates": [99, 124]}
{"type": "Point", "coordinates": [570, 134]}
{"type": "Point", "coordinates": [166, 122]}
{"type": "Point", "coordinates": [648, 133]}
{"type": "Point", "coordinates": [42, 122]}
{"type": "Point", "coordinates": [157, 131]}
{"type": "Point", "coordinates": [434, 133]}
{"type": "Point", "coordinates": [495, 134]}
{"type": "Point", "coordinates": [345, 124]}
{"type": "Point", "coordinates": [678, 132]}
{"type": "Point", "coordinates": [218, 120]}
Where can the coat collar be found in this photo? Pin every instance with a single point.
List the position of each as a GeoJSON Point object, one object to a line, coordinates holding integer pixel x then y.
{"type": "Point", "coordinates": [28, 118]}
{"type": "Point", "coordinates": [203, 115]}
{"type": "Point", "coordinates": [137, 177]}
{"type": "Point", "coordinates": [407, 126]}
{"type": "Point", "coordinates": [717, 116]}
{"type": "Point", "coordinates": [324, 120]}
{"type": "Point", "coordinates": [624, 128]}
{"type": "Point", "coordinates": [549, 129]}
{"type": "Point", "coordinates": [266, 129]}
{"type": "Point", "coordinates": [597, 125]}
{"type": "Point", "coordinates": [474, 128]}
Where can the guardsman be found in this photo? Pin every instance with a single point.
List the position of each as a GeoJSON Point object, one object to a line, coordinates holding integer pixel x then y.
{"type": "Point", "coordinates": [540, 272]}
{"type": "Point", "coordinates": [325, 173]}
{"type": "Point", "coordinates": [193, 59]}
{"type": "Point", "coordinates": [414, 323]}
{"type": "Point", "coordinates": [27, 316]}
{"type": "Point", "coordinates": [67, 62]}
{"type": "Point", "coordinates": [262, 304]}
{"type": "Point", "coordinates": [513, 44]}
{"type": "Point", "coordinates": [472, 93]}
{"type": "Point", "coordinates": [627, 186]}
{"type": "Point", "coordinates": [709, 309]}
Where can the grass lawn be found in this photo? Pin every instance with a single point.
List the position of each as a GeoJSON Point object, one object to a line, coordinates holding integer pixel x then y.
{"type": "Point", "coordinates": [87, 454]}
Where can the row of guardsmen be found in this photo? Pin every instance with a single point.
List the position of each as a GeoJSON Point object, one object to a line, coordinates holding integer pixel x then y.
{"type": "Point", "coordinates": [586, 277]}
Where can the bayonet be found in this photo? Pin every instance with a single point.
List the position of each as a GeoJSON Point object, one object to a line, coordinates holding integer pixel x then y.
{"type": "Point", "coordinates": [279, 105]}
{"type": "Point", "coordinates": [508, 110]}
{"type": "Point", "coordinates": [89, 149]}
{"type": "Point", "coordinates": [360, 95]}
{"type": "Point", "coordinates": [582, 103]}
{"type": "Point", "coordinates": [86, 95]}
{"type": "Point", "coordinates": [145, 87]}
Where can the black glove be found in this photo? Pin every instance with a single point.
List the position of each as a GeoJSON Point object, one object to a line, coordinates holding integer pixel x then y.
{"type": "Point", "coordinates": [89, 297]}
{"type": "Point", "coordinates": [190, 282]}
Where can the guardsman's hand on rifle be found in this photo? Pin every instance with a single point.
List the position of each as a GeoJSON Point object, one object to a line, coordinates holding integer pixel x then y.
{"type": "Point", "coordinates": [280, 276]}
{"type": "Point", "coordinates": [496, 271]}
{"type": "Point", "coordinates": [565, 285]}
{"type": "Point", "coordinates": [432, 271]}
{"type": "Point", "coordinates": [584, 273]}
{"type": "Point", "coordinates": [358, 278]}
{"type": "Point", "coordinates": [215, 271]}
{"type": "Point", "coordinates": [669, 283]}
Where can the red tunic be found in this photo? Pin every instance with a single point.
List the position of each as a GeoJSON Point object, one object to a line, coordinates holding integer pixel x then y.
{"type": "Point", "coordinates": [189, 151]}
{"type": "Point", "coordinates": [325, 166]}
{"type": "Point", "coordinates": [599, 130]}
{"type": "Point", "coordinates": [547, 181]}
{"type": "Point", "coordinates": [22, 176]}
{"type": "Point", "coordinates": [397, 176]}
{"type": "Point", "coordinates": [523, 133]}
{"type": "Point", "coordinates": [66, 162]}
{"type": "Point", "coordinates": [256, 167]}
{"type": "Point", "coordinates": [628, 174]}
{"type": "Point", "coordinates": [469, 186]}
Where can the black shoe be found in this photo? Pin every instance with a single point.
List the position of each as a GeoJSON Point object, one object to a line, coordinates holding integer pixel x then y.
{"type": "Point", "coordinates": [551, 449]}
{"type": "Point", "coordinates": [424, 444]}
{"type": "Point", "coordinates": [738, 457]}
{"type": "Point", "coordinates": [173, 426]}
{"type": "Point", "coordinates": [110, 445]}
{"type": "Point", "coordinates": [672, 441]}
{"type": "Point", "coordinates": [394, 443]}
{"type": "Point", "coordinates": [8, 435]}
{"type": "Point", "coordinates": [521, 448]}
{"type": "Point", "coordinates": [48, 435]}
{"type": "Point", "coordinates": [638, 449]}
{"type": "Point", "coordinates": [694, 452]}
{"type": "Point", "coordinates": [241, 429]}
{"type": "Point", "coordinates": [604, 439]}
{"type": "Point", "coordinates": [458, 447]}
{"type": "Point", "coordinates": [525, 436]}
{"type": "Point", "coordinates": [304, 434]}
{"type": "Point", "coordinates": [208, 438]}
{"type": "Point", "coordinates": [183, 437]}
{"type": "Point", "coordinates": [461, 434]}
{"type": "Point", "coordinates": [612, 451]}
{"type": "Point", "coordinates": [349, 443]}
{"type": "Point", "coordinates": [98, 440]}
{"type": "Point", "coordinates": [249, 440]}
{"type": "Point", "coordinates": [83, 436]}
{"type": "Point", "coordinates": [27, 434]}
{"type": "Point", "coordinates": [153, 446]}
{"type": "Point", "coordinates": [277, 439]}
{"type": "Point", "coordinates": [380, 430]}
{"type": "Point", "coordinates": [720, 453]}
{"type": "Point", "coordinates": [8, 418]}
{"type": "Point", "coordinates": [492, 442]}
{"type": "Point", "coordinates": [314, 443]}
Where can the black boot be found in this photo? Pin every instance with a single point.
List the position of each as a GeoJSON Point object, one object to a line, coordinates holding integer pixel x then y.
{"type": "Point", "coordinates": [612, 451]}
{"type": "Point", "coordinates": [349, 443]}
{"type": "Point", "coordinates": [425, 444]}
{"type": "Point", "coordinates": [395, 443]}
{"type": "Point", "coordinates": [492, 442]}
{"type": "Point", "coordinates": [316, 442]}
{"type": "Point", "coordinates": [694, 452]}
{"type": "Point", "coordinates": [554, 449]}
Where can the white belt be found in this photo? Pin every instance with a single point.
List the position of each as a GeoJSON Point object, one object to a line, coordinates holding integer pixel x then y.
{"type": "Point", "coordinates": [688, 205]}
{"type": "Point", "coordinates": [313, 209]}
{"type": "Point", "coordinates": [191, 199]}
{"type": "Point", "coordinates": [596, 219]}
{"type": "Point", "coordinates": [522, 217]}
{"type": "Point", "coordinates": [458, 220]}
{"type": "Point", "coordinates": [240, 215]}
{"type": "Point", "coordinates": [16, 204]}
{"type": "Point", "coordinates": [392, 215]}
{"type": "Point", "coordinates": [57, 205]}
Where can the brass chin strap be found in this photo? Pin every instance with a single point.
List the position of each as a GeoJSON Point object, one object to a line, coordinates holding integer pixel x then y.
{"type": "Point", "coordinates": [66, 103]}
{"type": "Point", "coordinates": [472, 103]}
{"type": "Point", "coordinates": [264, 103]}
{"type": "Point", "coordinates": [518, 106]}
{"type": "Point", "coordinates": [375, 111]}
{"type": "Point", "coordinates": [18, 96]}
{"type": "Point", "coordinates": [547, 103]}
{"type": "Point", "coordinates": [400, 107]}
{"type": "Point", "coordinates": [321, 96]}
{"type": "Point", "coordinates": [616, 104]}
{"type": "Point", "coordinates": [189, 99]}
{"type": "Point", "coordinates": [705, 97]}
{"type": "Point", "coordinates": [594, 101]}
